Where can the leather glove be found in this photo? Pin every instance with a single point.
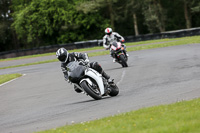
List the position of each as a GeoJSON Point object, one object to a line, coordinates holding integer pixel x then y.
{"type": "Point", "coordinates": [66, 79]}
{"type": "Point", "coordinates": [87, 61]}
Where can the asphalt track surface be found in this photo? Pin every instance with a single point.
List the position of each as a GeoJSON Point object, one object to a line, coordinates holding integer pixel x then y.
{"type": "Point", "coordinates": [41, 99]}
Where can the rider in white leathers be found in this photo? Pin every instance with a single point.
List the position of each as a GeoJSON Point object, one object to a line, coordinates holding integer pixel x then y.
{"type": "Point", "coordinates": [111, 37]}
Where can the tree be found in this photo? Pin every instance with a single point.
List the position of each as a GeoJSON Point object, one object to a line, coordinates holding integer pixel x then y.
{"type": "Point", "coordinates": [83, 27]}
{"type": "Point", "coordinates": [133, 7]}
{"type": "Point", "coordinates": [190, 7]}
{"type": "Point", "coordinates": [5, 22]}
{"type": "Point", "coordinates": [105, 7]}
{"type": "Point", "coordinates": [41, 20]}
{"type": "Point", "coordinates": [55, 21]}
{"type": "Point", "coordinates": [37, 23]}
{"type": "Point", "coordinates": [155, 15]}
{"type": "Point", "coordinates": [196, 8]}
{"type": "Point", "coordinates": [187, 13]}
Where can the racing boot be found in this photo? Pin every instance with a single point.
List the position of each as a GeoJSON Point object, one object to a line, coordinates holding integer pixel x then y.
{"type": "Point", "coordinates": [114, 60]}
{"type": "Point", "coordinates": [106, 76]}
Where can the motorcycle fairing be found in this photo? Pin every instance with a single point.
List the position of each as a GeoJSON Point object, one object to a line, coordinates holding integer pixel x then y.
{"type": "Point", "coordinates": [75, 71]}
{"type": "Point", "coordinates": [97, 77]}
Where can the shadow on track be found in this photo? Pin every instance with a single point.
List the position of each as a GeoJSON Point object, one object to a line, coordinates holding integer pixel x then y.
{"type": "Point", "coordinates": [112, 69]}
{"type": "Point", "coordinates": [92, 100]}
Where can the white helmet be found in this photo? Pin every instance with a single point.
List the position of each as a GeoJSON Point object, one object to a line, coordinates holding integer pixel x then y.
{"type": "Point", "coordinates": [108, 31]}
{"type": "Point", "coordinates": [62, 55]}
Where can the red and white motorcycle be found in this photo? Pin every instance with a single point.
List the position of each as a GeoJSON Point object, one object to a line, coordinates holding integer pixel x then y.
{"type": "Point", "coordinates": [119, 53]}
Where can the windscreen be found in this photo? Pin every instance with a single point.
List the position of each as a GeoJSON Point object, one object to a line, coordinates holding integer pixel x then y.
{"type": "Point", "coordinates": [72, 66]}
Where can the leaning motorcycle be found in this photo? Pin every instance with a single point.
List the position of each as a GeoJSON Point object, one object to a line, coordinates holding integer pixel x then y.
{"type": "Point", "coordinates": [90, 81]}
{"type": "Point", "coordinates": [119, 53]}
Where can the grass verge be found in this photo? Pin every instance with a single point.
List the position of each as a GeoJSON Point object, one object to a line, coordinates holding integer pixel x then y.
{"type": "Point", "coordinates": [28, 64]}
{"type": "Point", "coordinates": [180, 117]}
{"type": "Point", "coordinates": [132, 47]}
{"type": "Point", "coordinates": [48, 54]}
{"type": "Point", "coordinates": [7, 77]}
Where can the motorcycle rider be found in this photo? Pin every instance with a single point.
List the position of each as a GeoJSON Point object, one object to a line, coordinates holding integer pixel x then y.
{"type": "Point", "coordinates": [111, 37]}
{"type": "Point", "coordinates": [65, 57]}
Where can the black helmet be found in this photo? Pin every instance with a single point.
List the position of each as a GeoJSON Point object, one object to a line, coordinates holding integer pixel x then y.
{"type": "Point", "coordinates": [62, 55]}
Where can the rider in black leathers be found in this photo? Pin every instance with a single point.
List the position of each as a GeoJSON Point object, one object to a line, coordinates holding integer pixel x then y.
{"type": "Point", "coordinates": [64, 57]}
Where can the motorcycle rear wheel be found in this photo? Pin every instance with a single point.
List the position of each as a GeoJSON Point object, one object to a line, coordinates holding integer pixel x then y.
{"type": "Point", "coordinates": [114, 90]}
{"type": "Point", "coordinates": [90, 91]}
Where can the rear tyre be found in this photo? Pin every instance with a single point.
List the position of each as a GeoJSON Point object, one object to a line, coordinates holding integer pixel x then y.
{"type": "Point", "coordinates": [93, 92]}
{"type": "Point", "coordinates": [114, 90]}
{"type": "Point", "coordinates": [123, 61]}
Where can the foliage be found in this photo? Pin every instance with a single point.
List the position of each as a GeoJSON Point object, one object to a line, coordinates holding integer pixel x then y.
{"type": "Point", "coordinates": [41, 19]}
{"type": "Point", "coordinates": [155, 15]}
{"type": "Point", "coordinates": [196, 8]}
{"type": "Point", "coordinates": [56, 20]}
{"type": "Point", "coordinates": [36, 23]}
{"type": "Point", "coordinates": [5, 22]}
{"type": "Point", "coordinates": [90, 24]}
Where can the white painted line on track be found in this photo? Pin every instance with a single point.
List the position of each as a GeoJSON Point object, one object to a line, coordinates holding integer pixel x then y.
{"type": "Point", "coordinates": [122, 77]}
{"type": "Point", "coordinates": [10, 80]}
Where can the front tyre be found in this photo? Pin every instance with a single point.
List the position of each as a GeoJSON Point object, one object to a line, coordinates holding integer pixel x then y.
{"type": "Point", "coordinates": [123, 60]}
{"type": "Point", "coordinates": [93, 92]}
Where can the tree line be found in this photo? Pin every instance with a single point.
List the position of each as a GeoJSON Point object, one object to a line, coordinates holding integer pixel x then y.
{"type": "Point", "coordinates": [32, 23]}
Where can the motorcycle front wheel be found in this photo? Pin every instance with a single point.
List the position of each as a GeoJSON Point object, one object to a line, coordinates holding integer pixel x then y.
{"type": "Point", "coordinates": [123, 60]}
{"type": "Point", "coordinates": [93, 92]}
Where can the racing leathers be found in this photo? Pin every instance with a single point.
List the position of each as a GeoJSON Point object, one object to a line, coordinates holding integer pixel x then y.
{"type": "Point", "coordinates": [108, 39]}
{"type": "Point", "coordinates": [80, 56]}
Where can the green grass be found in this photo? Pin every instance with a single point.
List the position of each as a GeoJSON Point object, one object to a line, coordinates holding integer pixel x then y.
{"type": "Point", "coordinates": [97, 48]}
{"type": "Point", "coordinates": [48, 54]}
{"type": "Point", "coordinates": [154, 44]}
{"type": "Point", "coordinates": [28, 64]}
{"type": "Point", "coordinates": [180, 117]}
{"type": "Point", "coordinates": [131, 47]}
{"type": "Point", "coordinates": [170, 42]}
{"type": "Point", "coordinates": [7, 77]}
